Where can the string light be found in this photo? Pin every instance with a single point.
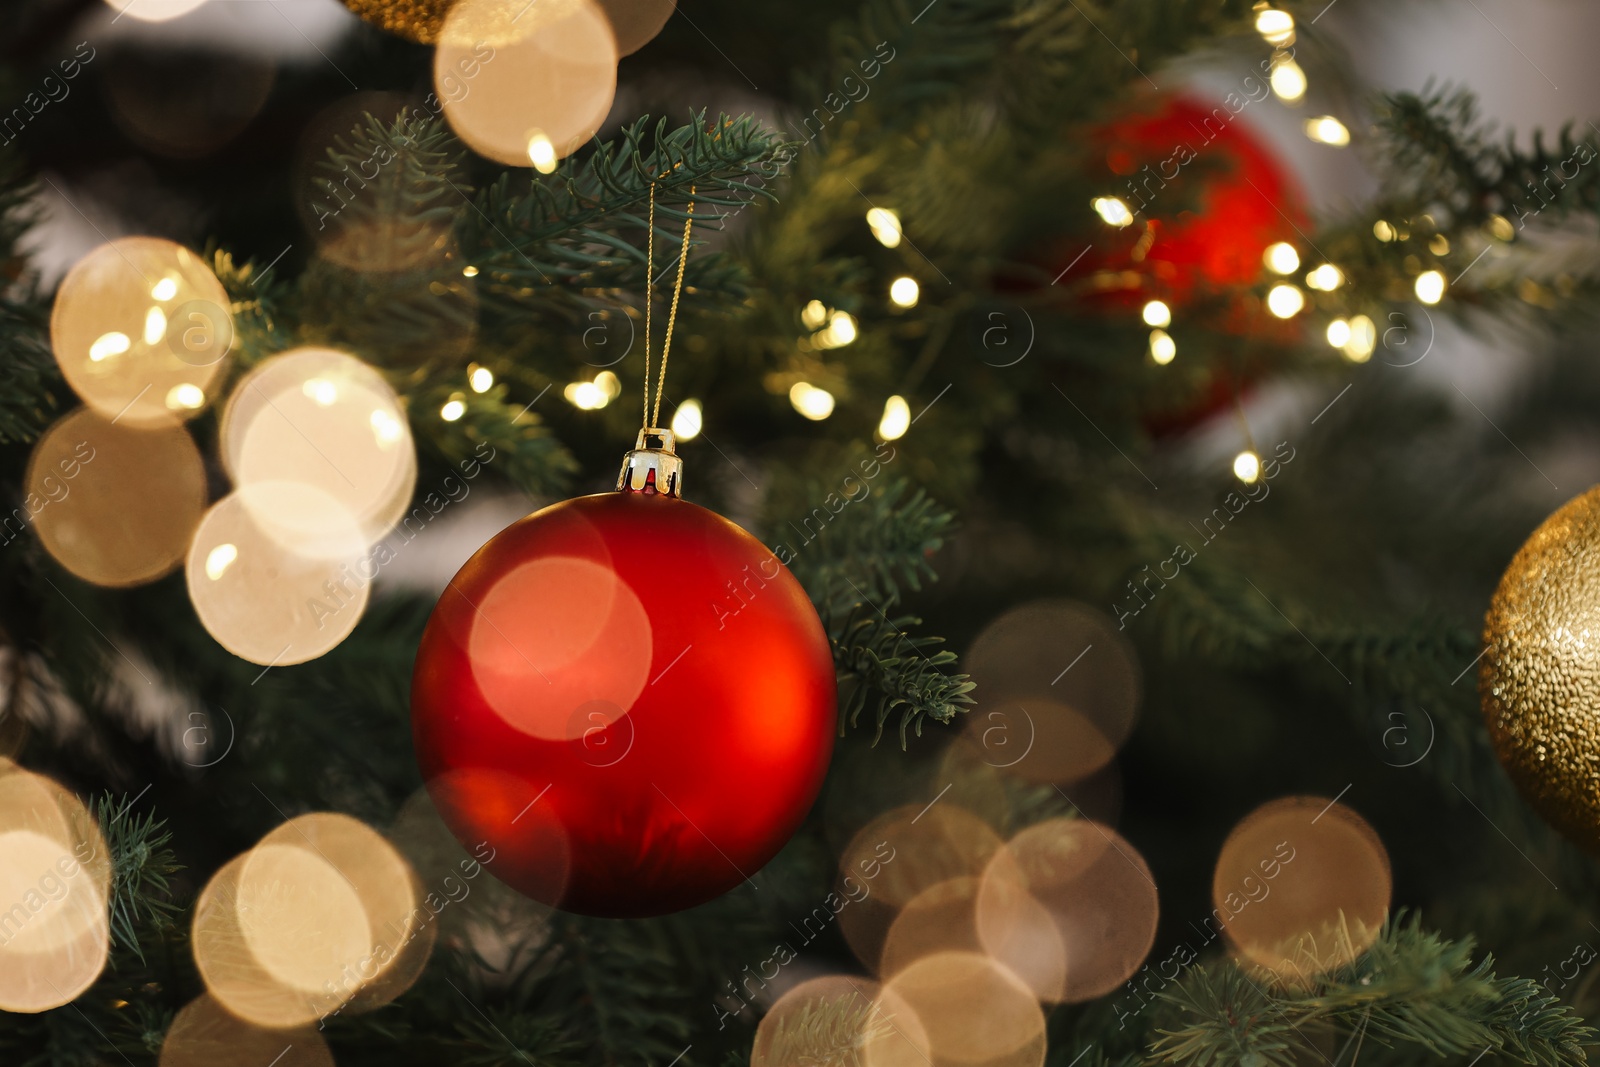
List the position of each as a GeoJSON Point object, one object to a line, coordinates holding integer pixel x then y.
{"type": "Point", "coordinates": [469, 271]}
{"type": "Point", "coordinates": [542, 153]}
{"type": "Point", "coordinates": [1325, 129]}
{"type": "Point", "coordinates": [896, 419]}
{"type": "Point", "coordinates": [609, 384]}
{"type": "Point", "coordinates": [1500, 228]}
{"type": "Point", "coordinates": [186, 396]}
{"type": "Point", "coordinates": [1113, 211]}
{"type": "Point", "coordinates": [480, 378]}
{"type": "Point", "coordinates": [1162, 347]}
{"type": "Point", "coordinates": [687, 420]}
{"type": "Point", "coordinates": [1363, 339]}
{"type": "Point", "coordinates": [1325, 278]}
{"type": "Point", "coordinates": [1156, 313]}
{"type": "Point", "coordinates": [813, 315]}
{"type": "Point", "coordinates": [165, 289]}
{"type": "Point", "coordinates": [1289, 81]}
{"type": "Point", "coordinates": [885, 224]}
{"type": "Point", "coordinates": [1430, 287]}
{"type": "Point", "coordinates": [107, 345]}
{"type": "Point", "coordinates": [1285, 301]}
{"type": "Point", "coordinates": [1338, 333]}
{"type": "Point", "coordinates": [452, 410]}
{"type": "Point", "coordinates": [1439, 245]}
{"type": "Point", "coordinates": [905, 292]}
{"type": "Point", "coordinates": [1281, 258]}
{"type": "Point", "coordinates": [1276, 26]}
{"type": "Point", "coordinates": [815, 404]}
{"type": "Point", "coordinates": [1247, 467]}
{"type": "Point", "coordinates": [840, 331]}
{"type": "Point", "coordinates": [1383, 231]}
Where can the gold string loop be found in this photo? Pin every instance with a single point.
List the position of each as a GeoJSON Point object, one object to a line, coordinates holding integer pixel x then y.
{"type": "Point", "coordinates": [651, 414]}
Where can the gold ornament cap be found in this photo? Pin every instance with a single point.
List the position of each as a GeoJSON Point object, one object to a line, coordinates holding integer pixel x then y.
{"type": "Point", "coordinates": [652, 466]}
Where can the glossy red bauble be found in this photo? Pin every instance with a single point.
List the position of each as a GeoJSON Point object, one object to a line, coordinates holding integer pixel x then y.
{"type": "Point", "coordinates": [629, 700]}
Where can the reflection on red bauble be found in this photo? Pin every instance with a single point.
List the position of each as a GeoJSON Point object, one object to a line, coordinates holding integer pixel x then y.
{"type": "Point", "coordinates": [629, 699]}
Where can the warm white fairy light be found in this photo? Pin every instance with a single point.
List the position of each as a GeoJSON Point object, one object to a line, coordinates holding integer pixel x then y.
{"type": "Point", "coordinates": [1384, 231]}
{"type": "Point", "coordinates": [219, 559]}
{"type": "Point", "coordinates": [609, 384]}
{"type": "Point", "coordinates": [1325, 129]}
{"type": "Point", "coordinates": [469, 271]}
{"type": "Point", "coordinates": [320, 391]}
{"type": "Point", "coordinates": [452, 410]}
{"type": "Point", "coordinates": [1325, 278]}
{"type": "Point", "coordinates": [1285, 301]}
{"type": "Point", "coordinates": [1276, 26]}
{"type": "Point", "coordinates": [896, 419]}
{"type": "Point", "coordinates": [1162, 347]}
{"type": "Point", "coordinates": [165, 289]}
{"type": "Point", "coordinates": [814, 315]}
{"type": "Point", "coordinates": [155, 326]}
{"type": "Point", "coordinates": [480, 378]}
{"type": "Point", "coordinates": [687, 420]}
{"type": "Point", "coordinates": [1247, 467]}
{"type": "Point", "coordinates": [815, 404]}
{"type": "Point", "coordinates": [1430, 287]}
{"type": "Point", "coordinates": [1112, 211]}
{"type": "Point", "coordinates": [1156, 313]}
{"type": "Point", "coordinates": [1339, 333]}
{"type": "Point", "coordinates": [1281, 258]}
{"type": "Point", "coordinates": [542, 153]}
{"type": "Point", "coordinates": [1289, 81]}
{"type": "Point", "coordinates": [885, 225]}
{"type": "Point", "coordinates": [840, 331]}
{"type": "Point", "coordinates": [109, 344]}
{"type": "Point", "coordinates": [186, 396]}
{"type": "Point", "coordinates": [905, 292]}
{"type": "Point", "coordinates": [1363, 339]}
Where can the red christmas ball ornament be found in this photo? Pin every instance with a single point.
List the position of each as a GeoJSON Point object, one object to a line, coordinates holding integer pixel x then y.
{"type": "Point", "coordinates": [624, 704]}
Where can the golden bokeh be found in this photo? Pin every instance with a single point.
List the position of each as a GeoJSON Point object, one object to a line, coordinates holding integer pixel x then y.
{"type": "Point", "coordinates": [528, 74]}
{"type": "Point", "coordinates": [323, 419]}
{"type": "Point", "coordinates": [262, 602]}
{"type": "Point", "coordinates": [418, 20]}
{"type": "Point", "coordinates": [941, 918]}
{"type": "Point", "coordinates": [205, 1034]}
{"type": "Point", "coordinates": [55, 882]}
{"type": "Point", "coordinates": [1302, 885]}
{"type": "Point", "coordinates": [116, 506]}
{"type": "Point", "coordinates": [636, 22]}
{"type": "Point", "coordinates": [836, 1019]}
{"type": "Point", "coordinates": [1094, 894]}
{"type": "Point", "coordinates": [1058, 691]}
{"type": "Point", "coordinates": [1538, 680]}
{"type": "Point", "coordinates": [971, 1011]}
{"type": "Point", "coordinates": [141, 329]}
{"type": "Point", "coordinates": [402, 933]}
{"type": "Point", "coordinates": [899, 855]}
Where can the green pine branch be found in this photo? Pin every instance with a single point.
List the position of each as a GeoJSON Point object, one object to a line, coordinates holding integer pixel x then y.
{"type": "Point", "coordinates": [142, 866]}
{"type": "Point", "coordinates": [1411, 988]}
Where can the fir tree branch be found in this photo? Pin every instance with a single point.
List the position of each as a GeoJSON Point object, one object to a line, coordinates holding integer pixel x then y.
{"type": "Point", "coordinates": [142, 866]}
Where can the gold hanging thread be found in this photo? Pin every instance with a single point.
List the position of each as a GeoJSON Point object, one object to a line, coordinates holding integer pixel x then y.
{"type": "Point", "coordinates": [651, 414]}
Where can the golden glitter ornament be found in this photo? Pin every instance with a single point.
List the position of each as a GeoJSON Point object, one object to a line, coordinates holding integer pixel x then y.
{"type": "Point", "coordinates": [419, 20]}
{"type": "Point", "coordinates": [1540, 677]}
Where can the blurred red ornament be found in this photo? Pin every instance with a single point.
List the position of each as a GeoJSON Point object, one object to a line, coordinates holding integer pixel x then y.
{"type": "Point", "coordinates": [1208, 197]}
{"type": "Point", "coordinates": [624, 703]}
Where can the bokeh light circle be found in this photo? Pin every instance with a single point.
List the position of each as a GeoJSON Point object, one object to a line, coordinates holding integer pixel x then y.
{"type": "Point", "coordinates": [1058, 691]}
{"type": "Point", "coordinates": [1302, 885]}
{"type": "Point", "coordinates": [836, 1018]}
{"type": "Point", "coordinates": [115, 506]}
{"type": "Point", "coordinates": [55, 882]}
{"type": "Point", "coordinates": [583, 631]}
{"type": "Point", "coordinates": [327, 420]}
{"type": "Point", "coordinates": [527, 71]}
{"type": "Point", "coordinates": [112, 324]}
{"type": "Point", "coordinates": [205, 1034]}
{"type": "Point", "coordinates": [1093, 892]}
{"type": "Point", "coordinates": [263, 602]}
{"type": "Point", "coordinates": [971, 1011]}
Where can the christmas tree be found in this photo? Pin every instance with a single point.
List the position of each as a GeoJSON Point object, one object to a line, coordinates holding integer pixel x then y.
{"type": "Point", "coordinates": [1150, 570]}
